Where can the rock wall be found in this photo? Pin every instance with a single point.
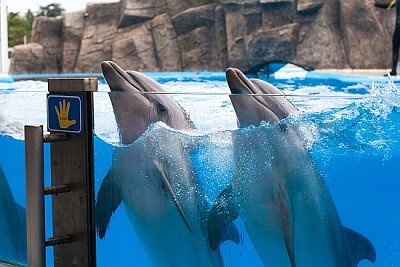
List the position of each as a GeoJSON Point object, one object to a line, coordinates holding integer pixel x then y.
{"type": "Point", "coordinates": [195, 35]}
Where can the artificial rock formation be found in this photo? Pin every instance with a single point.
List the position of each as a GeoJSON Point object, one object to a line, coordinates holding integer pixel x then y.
{"type": "Point", "coordinates": [195, 35]}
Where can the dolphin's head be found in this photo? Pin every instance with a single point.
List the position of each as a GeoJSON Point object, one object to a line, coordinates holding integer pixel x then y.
{"type": "Point", "coordinates": [269, 104]}
{"type": "Point", "coordinates": [136, 104]}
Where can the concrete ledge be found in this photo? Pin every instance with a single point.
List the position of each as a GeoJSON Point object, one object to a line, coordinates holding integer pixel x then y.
{"type": "Point", "coordinates": [358, 72]}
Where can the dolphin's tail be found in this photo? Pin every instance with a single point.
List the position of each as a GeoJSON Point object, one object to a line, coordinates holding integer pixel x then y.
{"type": "Point", "coordinates": [360, 247]}
{"type": "Point", "coordinates": [108, 200]}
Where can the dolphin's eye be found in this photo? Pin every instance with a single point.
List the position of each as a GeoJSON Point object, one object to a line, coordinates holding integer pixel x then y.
{"type": "Point", "coordinates": [161, 109]}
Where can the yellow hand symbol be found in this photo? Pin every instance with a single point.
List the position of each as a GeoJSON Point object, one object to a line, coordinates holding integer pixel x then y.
{"type": "Point", "coordinates": [62, 115]}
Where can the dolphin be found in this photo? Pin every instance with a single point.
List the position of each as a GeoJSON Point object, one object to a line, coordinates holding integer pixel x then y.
{"type": "Point", "coordinates": [12, 225]}
{"type": "Point", "coordinates": [287, 209]}
{"type": "Point", "coordinates": [136, 105]}
{"type": "Point", "coordinates": [152, 175]}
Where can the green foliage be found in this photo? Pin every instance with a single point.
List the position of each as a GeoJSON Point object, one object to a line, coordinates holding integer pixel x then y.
{"type": "Point", "coordinates": [51, 10]}
{"type": "Point", "coordinates": [18, 27]}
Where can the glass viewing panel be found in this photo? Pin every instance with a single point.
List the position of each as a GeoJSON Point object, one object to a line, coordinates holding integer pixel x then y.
{"type": "Point", "coordinates": [318, 186]}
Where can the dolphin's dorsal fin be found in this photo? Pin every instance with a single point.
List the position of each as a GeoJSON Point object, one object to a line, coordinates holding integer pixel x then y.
{"type": "Point", "coordinates": [172, 194]}
{"type": "Point", "coordinates": [222, 214]}
{"type": "Point", "coordinates": [108, 200]}
{"type": "Point", "coordinates": [360, 247]}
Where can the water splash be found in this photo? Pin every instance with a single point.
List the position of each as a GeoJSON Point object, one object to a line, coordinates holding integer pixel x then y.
{"type": "Point", "coordinates": [388, 94]}
{"type": "Point", "coordinates": [367, 126]}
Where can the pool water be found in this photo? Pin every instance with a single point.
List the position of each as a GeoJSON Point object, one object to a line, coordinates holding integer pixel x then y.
{"type": "Point", "coordinates": [349, 127]}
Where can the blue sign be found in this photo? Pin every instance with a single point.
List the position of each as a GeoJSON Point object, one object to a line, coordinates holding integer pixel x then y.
{"type": "Point", "coordinates": [65, 113]}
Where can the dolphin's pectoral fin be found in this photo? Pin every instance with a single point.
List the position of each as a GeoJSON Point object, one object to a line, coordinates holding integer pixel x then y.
{"type": "Point", "coordinates": [108, 199]}
{"type": "Point", "coordinates": [285, 207]}
{"type": "Point", "coordinates": [172, 194]}
{"type": "Point", "coordinates": [360, 247]}
{"type": "Point", "coordinates": [222, 214]}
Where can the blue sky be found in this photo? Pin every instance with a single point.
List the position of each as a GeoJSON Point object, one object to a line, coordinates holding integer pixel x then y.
{"type": "Point", "coordinates": [69, 5]}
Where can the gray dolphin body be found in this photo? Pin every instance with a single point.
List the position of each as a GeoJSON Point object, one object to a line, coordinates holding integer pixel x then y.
{"type": "Point", "coordinates": [153, 175]}
{"type": "Point", "coordinates": [284, 202]}
{"type": "Point", "coordinates": [12, 225]}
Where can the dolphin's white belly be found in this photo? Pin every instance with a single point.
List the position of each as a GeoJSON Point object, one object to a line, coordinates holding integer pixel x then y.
{"type": "Point", "coordinates": [157, 222]}
{"type": "Point", "coordinates": [319, 237]}
{"type": "Point", "coordinates": [317, 230]}
{"type": "Point", "coordinates": [263, 222]}
{"type": "Point", "coordinates": [167, 240]}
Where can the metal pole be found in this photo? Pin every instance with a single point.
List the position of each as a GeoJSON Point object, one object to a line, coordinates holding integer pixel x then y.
{"type": "Point", "coordinates": [34, 173]}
